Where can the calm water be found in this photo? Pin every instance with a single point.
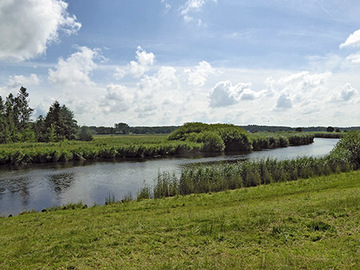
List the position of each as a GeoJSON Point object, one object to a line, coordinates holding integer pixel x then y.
{"type": "Point", "coordinates": [44, 186]}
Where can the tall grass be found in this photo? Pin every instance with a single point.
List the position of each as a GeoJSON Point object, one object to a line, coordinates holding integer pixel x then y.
{"type": "Point", "coordinates": [102, 147]}
{"type": "Point", "coordinates": [201, 178]}
{"type": "Point", "coordinates": [120, 147]}
{"type": "Point", "coordinates": [269, 140]}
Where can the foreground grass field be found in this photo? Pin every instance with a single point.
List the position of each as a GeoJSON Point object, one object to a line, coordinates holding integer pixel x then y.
{"type": "Point", "coordinates": [304, 224]}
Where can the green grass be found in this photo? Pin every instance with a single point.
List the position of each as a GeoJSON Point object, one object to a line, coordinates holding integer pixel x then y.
{"type": "Point", "coordinates": [102, 147]}
{"type": "Point", "coordinates": [130, 146]}
{"type": "Point", "coordinates": [306, 224]}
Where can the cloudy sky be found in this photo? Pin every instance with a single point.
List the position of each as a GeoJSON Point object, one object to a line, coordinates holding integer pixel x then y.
{"type": "Point", "coordinates": [166, 62]}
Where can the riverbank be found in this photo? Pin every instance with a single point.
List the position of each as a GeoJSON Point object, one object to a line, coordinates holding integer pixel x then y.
{"type": "Point", "coordinates": [127, 146]}
{"type": "Point", "coordinates": [312, 223]}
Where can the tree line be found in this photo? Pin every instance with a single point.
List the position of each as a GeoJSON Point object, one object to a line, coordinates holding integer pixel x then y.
{"type": "Point", "coordinates": [16, 124]}
{"type": "Point", "coordinates": [124, 128]}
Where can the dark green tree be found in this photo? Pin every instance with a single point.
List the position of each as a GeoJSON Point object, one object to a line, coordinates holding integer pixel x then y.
{"type": "Point", "coordinates": [60, 119]}
{"type": "Point", "coordinates": [330, 129]}
{"type": "Point", "coordinates": [40, 130]}
{"type": "Point", "coordinates": [15, 118]}
{"type": "Point", "coordinates": [85, 134]}
{"type": "Point", "coordinates": [3, 123]}
{"type": "Point", "coordinates": [122, 128]}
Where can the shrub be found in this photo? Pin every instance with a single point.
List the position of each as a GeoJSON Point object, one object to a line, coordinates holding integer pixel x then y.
{"type": "Point", "coordinates": [215, 137]}
{"type": "Point", "coordinates": [348, 149]}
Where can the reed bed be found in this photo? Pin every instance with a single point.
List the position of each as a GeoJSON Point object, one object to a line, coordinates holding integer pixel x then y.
{"type": "Point", "coordinates": [117, 147]}
{"type": "Point", "coordinates": [135, 146]}
{"type": "Point", "coordinates": [270, 140]}
{"type": "Point", "coordinates": [200, 178]}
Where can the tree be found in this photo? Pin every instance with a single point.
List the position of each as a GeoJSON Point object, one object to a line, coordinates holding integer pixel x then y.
{"type": "Point", "coordinates": [60, 120]}
{"type": "Point", "coordinates": [23, 110]}
{"type": "Point", "coordinates": [330, 129]}
{"type": "Point", "coordinates": [40, 130]}
{"type": "Point", "coordinates": [85, 134]}
{"type": "Point", "coordinates": [298, 129]}
{"type": "Point", "coordinates": [122, 128]}
{"type": "Point", "coordinates": [15, 118]}
{"type": "Point", "coordinates": [3, 123]}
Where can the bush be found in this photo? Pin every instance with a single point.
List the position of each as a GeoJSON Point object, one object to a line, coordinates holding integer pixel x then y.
{"type": "Point", "coordinates": [85, 134]}
{"type": "Point", "coordinates": [215, 137]}
{"type": "Point", "coordinates": [212, 142]}
{"type": "Point", "coordinates": [348, 149]}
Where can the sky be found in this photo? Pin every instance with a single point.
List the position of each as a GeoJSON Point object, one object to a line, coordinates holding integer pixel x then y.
{"type": "Point", "coordinates": [168, 62]}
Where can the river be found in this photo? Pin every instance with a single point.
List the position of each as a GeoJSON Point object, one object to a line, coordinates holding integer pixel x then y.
{"type": "Point", "coordinates": [42, 186]}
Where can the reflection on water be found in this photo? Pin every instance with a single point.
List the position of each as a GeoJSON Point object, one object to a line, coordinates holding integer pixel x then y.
{"type": "Point", "coordinates": [43, 186]}
{"type": "Point", "coordinates": [61, 182]}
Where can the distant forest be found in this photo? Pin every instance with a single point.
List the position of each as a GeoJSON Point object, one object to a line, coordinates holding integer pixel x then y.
{"type": "Point", "coordinates": [123, 128]}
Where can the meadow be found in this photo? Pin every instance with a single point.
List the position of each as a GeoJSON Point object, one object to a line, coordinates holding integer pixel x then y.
{"type": "Point", "coordinates": [311, 223]}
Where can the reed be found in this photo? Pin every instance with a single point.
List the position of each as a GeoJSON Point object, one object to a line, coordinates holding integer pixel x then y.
{"type": "Point", "coordinates": [226, 176]}
{"type": "Point", "coordinates": [226, 138]}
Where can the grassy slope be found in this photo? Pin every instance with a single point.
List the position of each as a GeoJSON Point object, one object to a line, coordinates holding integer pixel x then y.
{"type": "Point", "coordinates": [312, 223]}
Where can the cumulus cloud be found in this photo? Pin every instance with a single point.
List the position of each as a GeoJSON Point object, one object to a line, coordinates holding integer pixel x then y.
{"type": "Point", "coordinates": [352, 41]}
{"type": "Point", "coordinates": [346, 94]}
{"type": "Point", "coordinates": [137, 68]}
{"type": "Point", "coordinates": [225, 94]}
{"type": "Point", "coordinates": [117, 98]}
{"type": "Point", "coordinates": [198, 75]}
{"type": "Point", "coordinates": [353, 58]}
{"type": "Point", "coordinates": [20, 80]}
{"type": "Point", "coordinates": [28, 27]}
{"type": "Point", "coordinates": [300, 86]}
{"type": "Point", "coordinates": [284, 102]}
{"type": "Point", "coordinates": [76, 69]}
{"type": "Point", "coordinates": [165, 80]}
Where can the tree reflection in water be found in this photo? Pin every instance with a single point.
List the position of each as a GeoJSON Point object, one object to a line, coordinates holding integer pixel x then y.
{"type": "Point", "coordinates": [61, 182]}
{"type": "Point", "coordinates": [20, 187]}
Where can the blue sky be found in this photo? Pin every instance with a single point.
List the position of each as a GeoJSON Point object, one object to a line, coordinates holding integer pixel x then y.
{"type": "Point", "coordinates": [166, 62]}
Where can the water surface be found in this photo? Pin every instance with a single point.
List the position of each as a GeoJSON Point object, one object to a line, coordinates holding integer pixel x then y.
{"type": "Point", "coordinates": [42, 186]}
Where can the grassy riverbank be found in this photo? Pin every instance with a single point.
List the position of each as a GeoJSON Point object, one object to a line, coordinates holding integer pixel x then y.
{"type": "Point", "coordinates": [311, 224]}
{"type": "Point", "coordinates": [130, 146]}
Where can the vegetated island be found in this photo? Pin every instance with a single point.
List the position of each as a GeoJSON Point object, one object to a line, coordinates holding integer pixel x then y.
{"type": "Point", "coordinates": [189, 139]}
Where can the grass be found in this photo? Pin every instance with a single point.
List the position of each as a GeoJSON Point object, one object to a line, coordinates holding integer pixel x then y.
{"type": "Point", "coordinates": [129, 146]}
{"type": "Point", "coordinates": [102, 147]}
{"type": "Point", "coordinates": [311, 223]}
{"type": "Point", "coordinates": [203, 178]}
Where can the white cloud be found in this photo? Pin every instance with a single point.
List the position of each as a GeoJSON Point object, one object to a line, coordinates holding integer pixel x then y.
{"type": "Point", "coordinates": [117, 99]}
{"type": "Point", "coordinates": [137, 68]}
{"type": "Point", "coordinates": [301, 87]}
{"type": "Point", "coordinates": [20, 80]}
{"type": "Point", "coordinates": [225, 94]}
{"type": "Point", "coordinates": [76, 69]}
{"type": "Point", "coordinates": [352, 41]}
{"type": "Point", "coordinates": [353, 58]}
{"type": "Point", "coordinates": [346, 94]}
{"type": "Point", "coordinates": [198, 75]}
{"type": "Point", "coordinates": [28, 27]}
{"type": "Point", "coordinates": [163, 82]}
{"type": "Point", "coordinates": [284, 102]}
